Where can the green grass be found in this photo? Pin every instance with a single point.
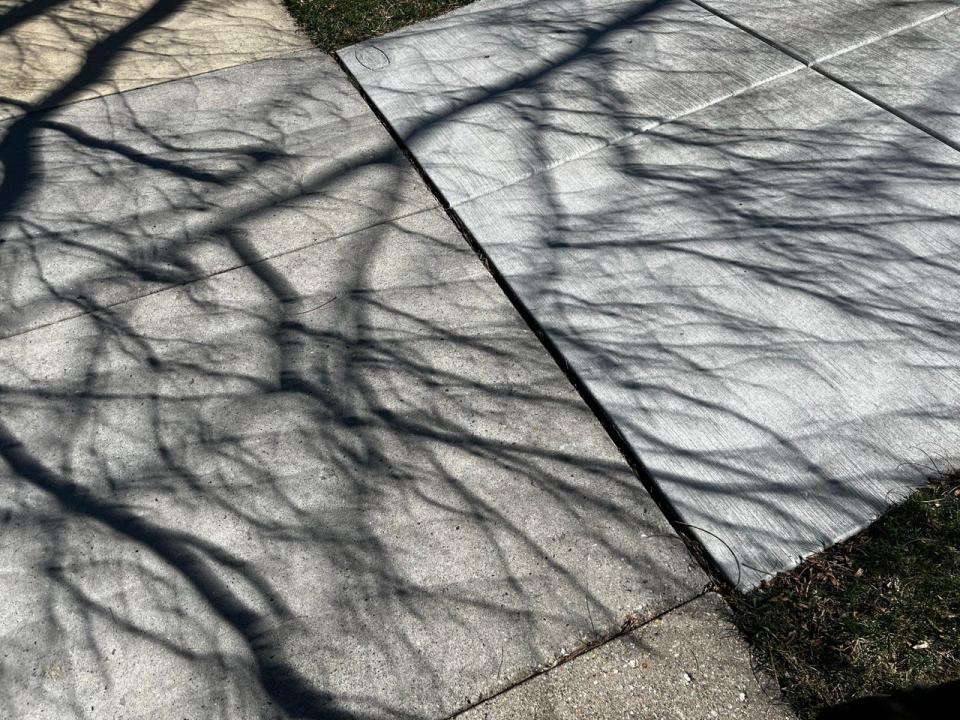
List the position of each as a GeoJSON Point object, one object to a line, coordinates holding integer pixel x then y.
{"type": "Point", "coordinates": [875, 614]}
{"type": "Point", "coordinates": [333, 24]}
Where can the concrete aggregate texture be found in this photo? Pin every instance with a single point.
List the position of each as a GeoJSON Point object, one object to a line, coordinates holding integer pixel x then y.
{"type": "Point", "coordinates": [273, 443]}
{"type": "Point", "coordinates": [745, 261]}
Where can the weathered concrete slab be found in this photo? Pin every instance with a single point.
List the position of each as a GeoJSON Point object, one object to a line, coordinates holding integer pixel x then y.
{"type": "Point", "coordinates": [689, 664]}
{"type": "Point", "coordinates": [500, 91]}
{"type": "Point", "coordinates": [339, 479]}
{"type": "Point", "coordinates": [818, 29]}
{"type": "Point", "coordinates": [763, 296]}
{"type": "Point", "coordinates": [56, 52]}
{"type": "Point", "coordinates": [916, 72]}
{"type": "Point", "coordinates": [116, 197]}
{"type": "Point", "coordinates": [348, 473]}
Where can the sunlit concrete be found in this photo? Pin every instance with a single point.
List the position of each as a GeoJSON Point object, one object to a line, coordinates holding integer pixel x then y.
{"type": "Point", "coordinates": [915, 73]}
{"type": "Point", "coordinates": [689, 664]}
{"type": "Point", "coordinates": [273, 441]}
{"type": "Point", "coordinates": [759, 290]}
{"type": "Point", "coordinates": [56, 52]}
{"type": "Point", "coordinates": [121, 196]}
{"type": "Point", "coordinates": [500, 91]}
{"type": "Point", "coordinates": [818, 29]}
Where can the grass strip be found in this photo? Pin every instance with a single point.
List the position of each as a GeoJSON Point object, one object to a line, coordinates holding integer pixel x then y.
{"type": "Point", "coordinates": [874, 615]}
{"type": "Point", "coordinates": [333, 24]}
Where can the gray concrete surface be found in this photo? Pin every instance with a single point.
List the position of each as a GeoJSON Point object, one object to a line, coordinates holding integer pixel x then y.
{"type": "Point", "coordinates": [760, 293]}
{"type": "Point", "coordinates": [335, 477]}
{"type": "Point", "coordinates": [773, 340]}
{"type": "Point", "coordinates": [818, 29]}
{"type": "Point", "coordinates": [915, 72]}
{"type": "Point", "coordinates": [689, 665]}
{"type": "Point", "coordinates": [491, 95]}
{"type": "Point", "coordinates": [120, 196]}
{"type": "Point", "coordinates": [56, 52]}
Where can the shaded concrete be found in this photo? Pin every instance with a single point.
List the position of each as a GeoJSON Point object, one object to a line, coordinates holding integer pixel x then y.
{"type": "Point", "coordinates": [56, 52]}
{"type": "Point", "coordinates": [762, 297]}
{"type": "Point", "coordinates": [500, 91]}
{"type": "Point", "coordinates": [760, 292]}
{"type": "Point", "coordinates": [121, 196]}
{"type": "Point", "coordinates": [690, 664]}
{"type": "Point", "coordinates": [915, 72]}
{"type": "Point", "coordinates": [336, 477]}
{"type": "Point", "coordinates": [818, 29]}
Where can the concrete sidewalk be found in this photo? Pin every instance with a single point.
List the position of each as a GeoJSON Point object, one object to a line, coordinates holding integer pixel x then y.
{"type": "Point", "coordinates": [687, 665]}
{"type": "Point", "coordinates": [56, 52]}
{"type": "Point", "coordinates": [736, 222]}
{"type": "Point", "coordinates": [275, 444]}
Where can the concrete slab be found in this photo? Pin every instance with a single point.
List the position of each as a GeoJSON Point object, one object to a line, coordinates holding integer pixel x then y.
{"type": "Point", "coordinates": [763, 298]}
{"type": "Point", "coordinates": [56, 52]}
{"type": "Point", "coordinates": [502, 90]}
{"type": "Point", "coordinates": [341, 480]}
{"type": "Point", "coordinates": [818, 29]}
{"type": "Point", "coordinates": [690, 664]}
{"type": "Point", "coordinates": [116, 197]}
{"type": "Point", "coordinates": [916, 72]}
{"type": "Point", "coordinates": [346, 479]}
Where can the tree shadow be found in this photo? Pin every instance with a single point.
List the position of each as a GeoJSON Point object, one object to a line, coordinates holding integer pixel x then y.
{"type": "Point", "coordinates": [921, 702]}
{"type": "Point", "coordinates": [274, 444]}
{"type": "Point", "coordinates": [746, 266]}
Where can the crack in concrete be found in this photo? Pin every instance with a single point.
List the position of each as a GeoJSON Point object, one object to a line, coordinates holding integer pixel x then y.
{"type": "Point", "coordinates": [816, 64]}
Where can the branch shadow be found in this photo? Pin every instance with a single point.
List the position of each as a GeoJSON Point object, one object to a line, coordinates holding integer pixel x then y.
{"type": "Point", "coordinates": [274, 442]}
{"type": "Point", "coordinates": [747, 267]}
{"type": "Point", "coordinates": [274, 445]}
